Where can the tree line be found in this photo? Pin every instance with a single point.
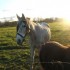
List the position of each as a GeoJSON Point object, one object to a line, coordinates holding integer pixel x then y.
{"type": "Point", "coordinates": [14, 23]}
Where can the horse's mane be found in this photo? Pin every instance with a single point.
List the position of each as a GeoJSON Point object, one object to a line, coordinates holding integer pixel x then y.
{"type": "Point", "coordinates": [30, 23]}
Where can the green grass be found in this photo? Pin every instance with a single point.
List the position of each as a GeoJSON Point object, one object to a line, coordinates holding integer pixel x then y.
{"type": "Point", "coordinates": [12, 57]}
{"type": "Point", "coordinates": [60, 32]}
{"type": "Point", "coordinates": [7, 36]}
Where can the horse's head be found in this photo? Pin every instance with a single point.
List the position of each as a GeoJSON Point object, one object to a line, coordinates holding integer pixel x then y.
{"type": "Point", "coordinates": [22, 29]}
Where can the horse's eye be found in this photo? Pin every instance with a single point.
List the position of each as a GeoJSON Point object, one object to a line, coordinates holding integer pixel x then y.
{"type": "Point", "coordinates": [24, 26]}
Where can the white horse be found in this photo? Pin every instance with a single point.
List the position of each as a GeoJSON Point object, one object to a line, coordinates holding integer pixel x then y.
{"type": "Point", "coordinates": [39, 34]}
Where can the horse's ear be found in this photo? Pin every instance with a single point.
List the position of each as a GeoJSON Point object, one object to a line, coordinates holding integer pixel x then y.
{"type": "Point", "coordinates": [23, 16]}
{"type": "Point", "coordinates": [18, 16]}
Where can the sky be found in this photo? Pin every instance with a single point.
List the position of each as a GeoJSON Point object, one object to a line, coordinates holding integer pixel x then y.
{"type": "Point", "coordinates": [35, 8]}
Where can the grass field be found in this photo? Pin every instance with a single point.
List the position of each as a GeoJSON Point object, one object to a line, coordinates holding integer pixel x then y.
{"type": "Point", "coordinates": [14, 57]}
{"type": "Point", "coordinates": [60, 32]}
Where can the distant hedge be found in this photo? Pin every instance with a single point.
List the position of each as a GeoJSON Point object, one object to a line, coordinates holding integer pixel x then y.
{"type": "Point", "coordinates": [4, 24]}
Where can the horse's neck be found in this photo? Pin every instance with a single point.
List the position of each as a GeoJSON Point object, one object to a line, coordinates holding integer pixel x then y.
{"type": "Point", "coordinates": [32, 25]}
{"type": "Point", "coordinates": [32, 33]}
{"type": "Point", "coordinates": [36, 35]}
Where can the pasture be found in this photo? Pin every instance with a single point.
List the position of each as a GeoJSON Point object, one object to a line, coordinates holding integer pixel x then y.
{"type": "Point", "coordinates": [13, 56]}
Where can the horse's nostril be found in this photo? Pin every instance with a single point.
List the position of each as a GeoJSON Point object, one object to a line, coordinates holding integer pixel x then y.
{"type": "Point", "coordinates": [19, 40]}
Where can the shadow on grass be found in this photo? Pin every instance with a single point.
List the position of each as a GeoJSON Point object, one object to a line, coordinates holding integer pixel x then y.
{"type": "Point", "coordinates": [12, 47]}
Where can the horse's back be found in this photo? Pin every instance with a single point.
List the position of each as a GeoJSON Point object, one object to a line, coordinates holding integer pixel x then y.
{"type": "Point", "coordinates": [44, 24]}
{"type": "Point", "coordinates": [43, 32]}
{"type": "Point", "coordinates": [53, 51]}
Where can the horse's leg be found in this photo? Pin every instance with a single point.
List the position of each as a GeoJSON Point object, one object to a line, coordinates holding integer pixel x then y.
{"type": "Point", "coordinates": [32, 51]}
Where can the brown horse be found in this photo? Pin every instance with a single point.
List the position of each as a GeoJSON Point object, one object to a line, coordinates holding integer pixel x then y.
{"type": "Point", "coordinates": [53, 52]}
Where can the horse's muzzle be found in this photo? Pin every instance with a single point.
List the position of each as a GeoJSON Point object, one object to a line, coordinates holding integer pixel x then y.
{"type": "Point", "coordinates": [19, 42]}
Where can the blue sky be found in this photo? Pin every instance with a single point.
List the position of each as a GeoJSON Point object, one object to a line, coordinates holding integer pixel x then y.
{"type": "Point", "coordinates": [35, 8]}
{"type": "Point", "coordinates": [4, 10]}
{"type": "Point", "coordinates": [4, 4]}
